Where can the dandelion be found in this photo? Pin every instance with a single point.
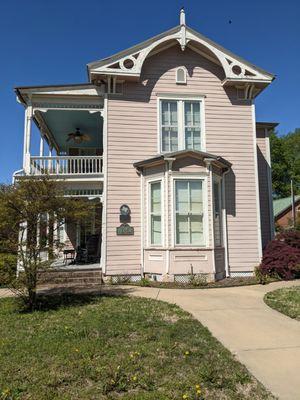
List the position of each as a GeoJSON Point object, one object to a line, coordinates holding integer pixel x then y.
{"type": "Point", "coordinates": [185, 396]}
{"type": "Point", "coordinates": [198, 392]}
{"type": "Point", "coordinates": [134, 378]}
{"type": "Point", "coordinates": [77, 350]}
{"type": "Point", "coordinates": [197, 386]}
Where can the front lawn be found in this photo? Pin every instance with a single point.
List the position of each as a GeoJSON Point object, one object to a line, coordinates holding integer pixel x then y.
{"type": "Point", "coordinates": [115, 348]}
{"type": "Point", "coordinates": [286, 301]}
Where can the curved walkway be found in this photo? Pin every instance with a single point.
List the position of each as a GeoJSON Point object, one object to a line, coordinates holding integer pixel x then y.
{"type": "Point", "coordinates": [265, 341]}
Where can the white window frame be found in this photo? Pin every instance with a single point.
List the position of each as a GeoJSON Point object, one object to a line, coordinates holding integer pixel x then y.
{"type": "Point", "coordinates": [180, 110]}
{"type": "Point", "coordinates": [148, 219]}
{"type": "Point", "coordinates": [185, 75]}
{"type": "Point", "coordinates": [218, 180]}
{"type": "Point", "coordinates": [204, 180]}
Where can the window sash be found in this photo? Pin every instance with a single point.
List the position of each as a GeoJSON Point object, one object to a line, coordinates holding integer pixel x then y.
{"type": "Point", "coordinates": [189, 224]}
{"type": "Point", "coordinates": [183, 131]}
{"type": "Point", "coordinates": [155, 214]}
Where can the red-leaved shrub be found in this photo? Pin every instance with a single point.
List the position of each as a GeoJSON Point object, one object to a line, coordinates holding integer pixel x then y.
{"type": "Point", "coordinates": [281, 256]}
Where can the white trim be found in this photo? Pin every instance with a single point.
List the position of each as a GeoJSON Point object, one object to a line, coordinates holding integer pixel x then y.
{"type": "Point", "coordinates": [217, 179]}
{"type": "Point", "coordinates": [212, 217]}
{"type": "Point", "coordinates": [142, 221]}
{"type": "Point", "coordinates": [225, 233]}
{"type": "Point", "coordinates": [104, 205]}
{"type": "Point", "coordinates": [180, 118]}
{"type": "Point", "coordinates": [259, 237]}
{"type": "Point", "coordinates": [180, 96]}
{"type": "Point", "coordinates": [162, 188]}
{"type": "Point", "coordinates": [269, 177]}
{"type": "Point", "coordinates": [205, 245]}
{"type": "Point", "coordinates": [166, 222]}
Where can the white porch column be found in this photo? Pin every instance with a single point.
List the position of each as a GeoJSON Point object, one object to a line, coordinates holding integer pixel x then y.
{"type": "Point", "coordinates": [27, 134]}
{"type": "Point", "coordinates": [41, 146]}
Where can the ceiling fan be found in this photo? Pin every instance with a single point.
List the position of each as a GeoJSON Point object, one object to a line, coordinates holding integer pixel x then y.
{"type": "Point", "coordinates": [78, 136]}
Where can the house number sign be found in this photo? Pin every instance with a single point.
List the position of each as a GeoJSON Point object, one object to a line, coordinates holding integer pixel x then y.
{"type": "Point", "coordinates": [125, 219]}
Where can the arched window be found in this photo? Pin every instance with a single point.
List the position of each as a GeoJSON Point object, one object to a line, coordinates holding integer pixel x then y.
{"type": "Point", "coordinates": [181, 75]}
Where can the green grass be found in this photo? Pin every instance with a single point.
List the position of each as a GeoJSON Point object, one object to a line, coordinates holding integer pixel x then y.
{"type": "Point", "coordinates": [286, 301]}
{"type": "Point", "coordinates": [115, 348]}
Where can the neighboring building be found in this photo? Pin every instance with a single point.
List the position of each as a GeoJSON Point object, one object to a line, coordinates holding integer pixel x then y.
{"type": "Point", "coordinates": [164, 134]}
{"type": "Point", "coordinates": [283, 211]}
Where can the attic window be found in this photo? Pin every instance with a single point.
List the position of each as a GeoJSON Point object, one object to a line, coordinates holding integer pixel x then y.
{"type": "Point", "coordinates": [181, 75]}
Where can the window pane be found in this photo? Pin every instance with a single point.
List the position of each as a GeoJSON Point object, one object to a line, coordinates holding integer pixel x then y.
{"type": "Point", "coordinates": [165, 139]}
{"type": "Point", "coordinates": [155, 213]}
{"type": "Point", "coordinates": [197, 140]}
{"type": "Point", "coordinates": [196, 225]}
{"type": "Point", "coordinates": [188, 113]}
{"type": "Point", "coordinates": [182, 197]}
{"type": "Point", "coordinates": [188, 138]}
{"type": "Point", "coordinates": [155, 198]}
{"type": "Point", "coordinates": [182, 229]}
{"type": "Point", "coordinates": [173, 139]}
{"type": "Point", "coordinates": [196, 113]}
{"type": "Point", "coordinates": [165, 113]}
{"type": "Point", "coordinates": [196, 206]}
{"type": "Point", "coordinates": [173, 113]}
{"type": "Point", "coordinates": [155, 229]}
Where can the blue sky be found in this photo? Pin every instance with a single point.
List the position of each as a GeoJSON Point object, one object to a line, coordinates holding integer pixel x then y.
{"type": "Point", "coordinates": [50, 42]}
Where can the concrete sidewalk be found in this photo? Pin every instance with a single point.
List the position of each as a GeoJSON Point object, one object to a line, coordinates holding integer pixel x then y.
{"type": "Point", "coordinates": [265, 341]}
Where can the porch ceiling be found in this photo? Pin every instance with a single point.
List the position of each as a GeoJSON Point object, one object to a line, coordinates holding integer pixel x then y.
{"type": "Point", "coordinates": [62, 122]}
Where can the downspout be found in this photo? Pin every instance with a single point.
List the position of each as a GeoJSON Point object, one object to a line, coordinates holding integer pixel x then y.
{"type": "Point", "coordinates": [142, 221]}
{"type": "Point", "coordinates": [225, 236]}
{"type": "Point", "coordinates": [168, 168]}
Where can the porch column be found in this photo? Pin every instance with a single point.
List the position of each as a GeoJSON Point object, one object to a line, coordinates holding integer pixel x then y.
{"type": "Point", "coordinates": [27, 134]}
{"type": "Point", "coordinates": [41, 146]}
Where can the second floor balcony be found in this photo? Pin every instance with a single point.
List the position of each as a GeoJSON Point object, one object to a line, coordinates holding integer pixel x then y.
{"type": "Point", "coordinates": [65, 166]}
{"type": "Point", "coordinates": [63, 135]}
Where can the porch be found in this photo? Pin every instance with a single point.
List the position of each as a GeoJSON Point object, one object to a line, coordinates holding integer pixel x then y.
{"type": "Point", "coordinates": [63, 133]}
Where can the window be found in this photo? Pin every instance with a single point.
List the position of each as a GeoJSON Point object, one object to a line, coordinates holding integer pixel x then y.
{"type": "Point", "coordinates": [181, 75]}
{"type": "Point", "coordinates": [169, 126]}
{"type": "Point", "coordinates": [217, 212]}
{"type": "Point", "coordinates": [189, 212]}
{"type": "Point", "coordinates": [155, 214]}
{"type": "Point", "coordinates": [180, 125]}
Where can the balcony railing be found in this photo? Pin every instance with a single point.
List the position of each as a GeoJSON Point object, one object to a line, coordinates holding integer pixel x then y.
{"type": "Point", "coordinates": [66, 165]}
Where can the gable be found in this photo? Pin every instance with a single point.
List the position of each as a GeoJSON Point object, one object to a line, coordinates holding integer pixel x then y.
{"type": "Point", "coordinates": [129, 63]}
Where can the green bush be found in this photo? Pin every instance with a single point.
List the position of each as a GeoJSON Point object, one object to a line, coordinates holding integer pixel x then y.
{"type": "Point", "coordinates": [8, 268]}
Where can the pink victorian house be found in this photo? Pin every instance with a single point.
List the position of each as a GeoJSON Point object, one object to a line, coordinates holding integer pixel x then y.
{"type": "Point", "coordinates": [164, 140]}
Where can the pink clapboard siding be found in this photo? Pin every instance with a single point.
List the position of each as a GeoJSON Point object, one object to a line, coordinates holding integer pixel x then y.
{"type": "Point", "coordinates": [132, 136]}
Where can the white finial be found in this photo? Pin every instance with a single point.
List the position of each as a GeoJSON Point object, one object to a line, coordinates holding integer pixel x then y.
{"type": "Point", "coordinates": [182, 16]}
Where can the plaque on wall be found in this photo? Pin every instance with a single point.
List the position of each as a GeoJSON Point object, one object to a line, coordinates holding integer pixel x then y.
{"type": "Point", "coordinates": [125, 229]}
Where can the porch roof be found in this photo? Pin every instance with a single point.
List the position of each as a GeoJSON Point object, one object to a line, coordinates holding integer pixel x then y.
{"type": "Point", "coordinates": [218, 160]}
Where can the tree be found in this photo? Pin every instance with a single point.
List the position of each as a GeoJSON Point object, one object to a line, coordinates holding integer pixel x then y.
{"type": "Point", "coordinates": [285, 158]}
{"type": "Point", "coordinates": [21, 207]}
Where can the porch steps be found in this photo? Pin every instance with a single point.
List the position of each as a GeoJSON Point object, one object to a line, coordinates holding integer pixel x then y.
{"type": "Point", "coordinates": [69, 278]}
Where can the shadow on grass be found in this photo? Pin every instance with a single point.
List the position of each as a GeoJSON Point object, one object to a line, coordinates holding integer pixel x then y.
{"type": "Point", "coordinates": [63, 297]}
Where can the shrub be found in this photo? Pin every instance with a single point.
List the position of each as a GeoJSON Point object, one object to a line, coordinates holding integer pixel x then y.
{"type": "Point", "coordinates": [281, 257]}
{"type": "Point", "coordinates": [292, 238]}
{"type": "Point", "coordinates": [8, 267]}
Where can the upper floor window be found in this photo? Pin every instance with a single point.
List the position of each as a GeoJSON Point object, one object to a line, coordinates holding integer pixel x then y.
{"type": "Point", "coordinates": [180, 125]}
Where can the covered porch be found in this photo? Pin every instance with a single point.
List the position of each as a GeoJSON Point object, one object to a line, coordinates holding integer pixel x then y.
{"type": "Point", "coordinates": [63, 132]}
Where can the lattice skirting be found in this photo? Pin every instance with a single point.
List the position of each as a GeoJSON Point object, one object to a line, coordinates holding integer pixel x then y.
{"type": "Point", "coordinates": [119, 279]}
{"type": "Point", "coordinates": [239, 274]}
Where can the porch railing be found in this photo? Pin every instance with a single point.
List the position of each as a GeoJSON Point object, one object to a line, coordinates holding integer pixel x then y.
{"type": "Point", "coordinates": [66, 165]}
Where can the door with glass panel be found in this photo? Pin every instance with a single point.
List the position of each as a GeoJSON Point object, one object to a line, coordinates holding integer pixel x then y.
{"type": "Point", "coordinates": [189, 212]}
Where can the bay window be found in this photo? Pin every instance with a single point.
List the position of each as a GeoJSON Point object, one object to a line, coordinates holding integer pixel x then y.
{"type": "Point", "coordinates": [189, 212]}
{"type": "Point", "coordinates": [180, 125]}
{"type": "Point", "coordinates": [155, 213]}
